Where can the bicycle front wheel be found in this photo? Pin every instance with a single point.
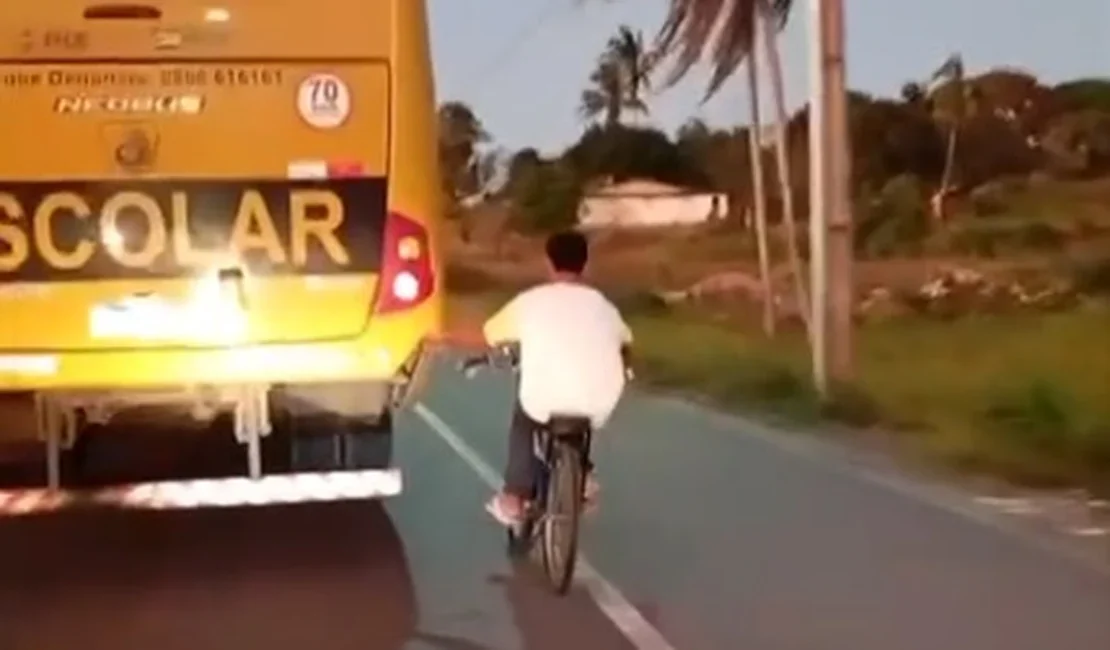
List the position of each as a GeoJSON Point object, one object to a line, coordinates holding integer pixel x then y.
{"type": "Point", "coordinates": [561, 516]}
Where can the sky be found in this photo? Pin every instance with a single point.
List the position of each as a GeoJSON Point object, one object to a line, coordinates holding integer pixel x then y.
{"type": "Point", "coordinates": [522, 64]}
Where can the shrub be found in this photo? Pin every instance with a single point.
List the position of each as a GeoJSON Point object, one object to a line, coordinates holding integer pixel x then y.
{"type": "Point", "coordinates": [989, 199]}
{"type": "Point", "coordinates": [851, 405]}
{"type": "Point", "coordinates": [977, 241]}
{"type": "Point", "coordinates": [990, 239]}
{"type": "Point", "coordinates": [893, 221]}
{"type": "Point", "coordinates": [1092, 277]}
{"type": "Point", "coordinates": [1039, 236]}
{"type": "Point", "coordinates": [1036, 416]}
{"type": "Point", "coordinates": [547, 198]}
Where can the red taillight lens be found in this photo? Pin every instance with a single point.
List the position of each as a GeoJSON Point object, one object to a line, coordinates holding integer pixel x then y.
{"type": "Point", "coordinates": [407, 278]}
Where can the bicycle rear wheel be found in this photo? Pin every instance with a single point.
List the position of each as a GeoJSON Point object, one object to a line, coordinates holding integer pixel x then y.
{"type": "Point", "coordinates": [561, 516]}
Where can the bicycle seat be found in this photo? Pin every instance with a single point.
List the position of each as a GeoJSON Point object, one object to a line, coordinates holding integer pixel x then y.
{"type": "Point", "coordinates": [568, 425]}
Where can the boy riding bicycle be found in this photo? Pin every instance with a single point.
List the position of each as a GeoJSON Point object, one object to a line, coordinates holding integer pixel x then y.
{"type": "Point", "coordinates": [573, 353]}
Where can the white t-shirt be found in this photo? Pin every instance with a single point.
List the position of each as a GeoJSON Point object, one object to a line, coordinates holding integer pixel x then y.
{"type": "Point", "coordinates": [570, 339]}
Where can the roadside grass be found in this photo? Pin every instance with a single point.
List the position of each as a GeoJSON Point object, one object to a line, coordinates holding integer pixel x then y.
{"type": "Point", "coordinates": [1026, 397]}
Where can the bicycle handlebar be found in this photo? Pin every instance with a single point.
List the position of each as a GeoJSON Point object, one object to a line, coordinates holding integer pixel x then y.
{"type": "Point", "coordinates": [495, 356]}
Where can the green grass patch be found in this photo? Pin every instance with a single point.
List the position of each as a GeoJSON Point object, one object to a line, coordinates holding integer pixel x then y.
{"type": "Point", "coordinates": [1024, 396]}
{"type": "Point", "coordinates": [728, 367]}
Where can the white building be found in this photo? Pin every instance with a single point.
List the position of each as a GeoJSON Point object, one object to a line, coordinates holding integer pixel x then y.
{"type": "Point", "coordinates": [648, 204]}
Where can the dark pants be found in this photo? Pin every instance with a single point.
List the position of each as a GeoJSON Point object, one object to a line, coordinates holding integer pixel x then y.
{"type": "Point", "coordinates": [520, 471]}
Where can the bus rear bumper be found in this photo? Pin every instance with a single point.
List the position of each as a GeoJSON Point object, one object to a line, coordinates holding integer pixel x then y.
{"type": "Point", "coordinates": [272, 490]}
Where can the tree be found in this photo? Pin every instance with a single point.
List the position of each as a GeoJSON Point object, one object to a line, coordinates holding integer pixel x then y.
{"type": "Point", "coordinates": [890, 139]}
{"type": "Point", "coordinates": [759, 195]}
{"type": "Point", "coordinates": [627, 50]}
{"type": "Point", "coordinates": [1017, 98]}
{"type": "Point", "coordinates": [729, 30]}
{"type": "Point", "coordinates": [606, 96]}
{"type": "Point", "coordinates": [460, 134]}
{"type": "Point", "coordinates": [913, 94]}
{"type": "Point", "coordinates": [622, 72]}
{"type": "Point", "coordinates": [771, 24]}
{"type": "Point", "coordinates": [1084, 94]}
{"type": "Point", "coordinates": [994, 124]}
{"type": "Point", "coordinates": [725, 30]}
{"type": "Point", "coordinates": [953, 113]}
{"type": "Point", "coordinates": [720, 157]}
{"type": "Point", "coordinates": [1078, 143]}
{"type": "Point", "coordinates": [624, 152]}
{"type": "Point", "coordinates": [547, 197]}
{"type": "Point", "coordinates": [695, 140]}
{"type": "Point", "coordinates": [521, 165]}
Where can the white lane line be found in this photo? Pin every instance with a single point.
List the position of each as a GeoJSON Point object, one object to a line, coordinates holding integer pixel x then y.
{"type": "Point", "coordinates": [609, 599]}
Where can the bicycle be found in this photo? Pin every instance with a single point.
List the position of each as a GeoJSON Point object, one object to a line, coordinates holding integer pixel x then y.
{"type": "Point", "coordinates": [561, 449]}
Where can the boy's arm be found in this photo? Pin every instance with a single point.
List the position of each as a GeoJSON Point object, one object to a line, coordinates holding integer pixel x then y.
{"type": "Point", "coordinates": [466, 337]}
{"type": "Point", "coordinates": [500, 327]}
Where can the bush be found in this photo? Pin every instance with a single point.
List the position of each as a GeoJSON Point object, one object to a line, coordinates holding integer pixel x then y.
{"type": "Point", "coordinates": [976, 241]}
{"type": "Point", "coordinates": [990, 239]}
{"type": "Point", "coordinates": [894, 221]}
{"type": "Point", "coordinates": [851, 405]}
{"type": "Point", "coordinates": [1036, 417]}
{"type": "Point", "coordinates": [1039, 236]}
{"type": "Point", "coordinates": [989, 199]}
{"type": "Point", "coordinates": [1092, 277]}
{"type": "Point", "coordinates": [547, 198]}
{"type": "Point", "coordinates": [1038, 435]}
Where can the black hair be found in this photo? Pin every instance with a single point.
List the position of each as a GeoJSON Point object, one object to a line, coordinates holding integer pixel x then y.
{"type": "Point", "coordinates": [568, 251]}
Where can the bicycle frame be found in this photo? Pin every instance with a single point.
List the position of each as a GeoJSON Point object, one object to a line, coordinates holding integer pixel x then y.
{"type": "Point", "coordinates": [543, 448]}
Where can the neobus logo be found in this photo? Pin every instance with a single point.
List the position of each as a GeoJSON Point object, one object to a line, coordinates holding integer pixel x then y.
{"type": "Point", "coordinates": [142, 104]}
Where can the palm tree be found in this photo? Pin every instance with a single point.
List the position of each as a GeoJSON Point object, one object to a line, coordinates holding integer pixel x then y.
{"type": "Point", "coordinates": [616, 84]}
{"type": "Point", "coordinates": [626, 49]}
{"type": "Point", "coordinates": [913, 93]}
{"type": "Point", "coordinates": [729, 31]}
{"type": "Point", "coordinates": [724, 29]}
{"type": "Point", "coordinates": [952, 73]}
{"type": "Point", "coordinates": [460, 135]}
{"type": "Point", "coordinates": [607, 95]}
{"type": "Point", "coordinates": [459, 125]}
{"type": "Point", "coordinates": [759, 196]}
{"type": "Point", "coordinates": [771, 25]}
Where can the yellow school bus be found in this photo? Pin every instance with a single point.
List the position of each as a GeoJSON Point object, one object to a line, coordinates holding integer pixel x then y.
{"type": "Point", "coordinates": [227, 206]}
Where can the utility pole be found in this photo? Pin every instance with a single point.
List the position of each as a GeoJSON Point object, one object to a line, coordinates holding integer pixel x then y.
{"type": "Point", "coordinates": [831, 245]}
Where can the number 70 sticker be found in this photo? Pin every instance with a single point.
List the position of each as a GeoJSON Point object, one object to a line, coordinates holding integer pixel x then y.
{"type": "Point", "coordinates": [324, 101]}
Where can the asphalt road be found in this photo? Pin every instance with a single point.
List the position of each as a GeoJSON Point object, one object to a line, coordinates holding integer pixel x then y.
{"type": "Point", "coordinates": [711, 534]}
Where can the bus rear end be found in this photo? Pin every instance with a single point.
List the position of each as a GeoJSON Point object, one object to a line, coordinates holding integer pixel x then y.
{"type": "Point", "coordinates": [231, 208]}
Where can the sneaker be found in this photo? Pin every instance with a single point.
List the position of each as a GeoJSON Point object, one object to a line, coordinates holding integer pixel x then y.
{"type": "Point", "coordinates": [507, 509]}
{"type": "Point", "coordinates": [590, 493]}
